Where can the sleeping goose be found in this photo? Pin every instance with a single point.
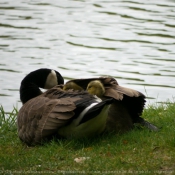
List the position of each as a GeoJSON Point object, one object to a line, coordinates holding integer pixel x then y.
{"type": "Point", "coordinates": [128, 105]}
{"type": "Point", "coordinates": [67, 114]}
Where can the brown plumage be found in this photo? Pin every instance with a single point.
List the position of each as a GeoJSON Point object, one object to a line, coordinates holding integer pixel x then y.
{"type": "Point", "coordinates": [57, 112]}
{"type": "Point", "coordinates": [37, 119]}
{"type": "Point", "coordinates": [127, 108]}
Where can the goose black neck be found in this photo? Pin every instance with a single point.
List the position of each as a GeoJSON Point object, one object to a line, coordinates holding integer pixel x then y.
{"type": "Point", "coordinates": [31, 84]}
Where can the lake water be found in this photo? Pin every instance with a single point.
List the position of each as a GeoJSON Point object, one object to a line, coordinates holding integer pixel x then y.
{"type": "Point", "coordinates": [131, 40]}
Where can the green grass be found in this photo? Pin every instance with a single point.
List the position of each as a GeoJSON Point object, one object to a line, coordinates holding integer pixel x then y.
{"type": "Point", "coordinates": [137, 152]}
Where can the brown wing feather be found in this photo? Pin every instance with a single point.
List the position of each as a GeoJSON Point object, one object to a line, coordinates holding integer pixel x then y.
{"type": "Point", "coordinates": [129, 92]}
{"type": "Point", "coordinates": [111, 83]}
{"type": "Point", "coordinates": [41, 117]}
{"type": "Point", "coordinates": [109, 92]}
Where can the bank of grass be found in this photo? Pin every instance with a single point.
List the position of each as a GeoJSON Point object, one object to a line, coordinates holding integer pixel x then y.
{"type": "Point", "coordinates": [137, 152]}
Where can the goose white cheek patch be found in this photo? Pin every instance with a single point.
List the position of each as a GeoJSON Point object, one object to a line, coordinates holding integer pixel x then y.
{"type": "Point", "coordinates": [51, 80]}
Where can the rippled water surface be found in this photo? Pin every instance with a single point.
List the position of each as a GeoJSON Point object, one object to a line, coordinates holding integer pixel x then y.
{"type": "Point", "coordinates": [132, 40]}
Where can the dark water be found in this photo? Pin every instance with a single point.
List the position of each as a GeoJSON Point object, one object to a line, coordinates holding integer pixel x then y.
{"type": "Point", "coordinates": [134, 41]}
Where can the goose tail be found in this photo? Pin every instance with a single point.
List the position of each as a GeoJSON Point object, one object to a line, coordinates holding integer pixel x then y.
{"type": "Point", "coordinates": [148, 125]}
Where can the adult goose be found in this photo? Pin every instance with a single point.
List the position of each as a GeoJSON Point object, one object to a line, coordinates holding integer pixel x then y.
{"type": "Point", "coordinates": [64, 113]}
{"type": "Point", "coordinates": [127, 109]}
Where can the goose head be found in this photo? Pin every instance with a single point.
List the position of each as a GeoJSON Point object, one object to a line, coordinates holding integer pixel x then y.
{"type": "Point", "coordinates": [40, 78]}
{"type": "Point", "coordinates": [96, 88]}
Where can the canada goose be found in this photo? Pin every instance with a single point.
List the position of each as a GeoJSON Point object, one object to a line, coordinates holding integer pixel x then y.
{"type": "Point", "coordinates": [128, 105]}
{"type": "Point", "coordinates": [65, 113]}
